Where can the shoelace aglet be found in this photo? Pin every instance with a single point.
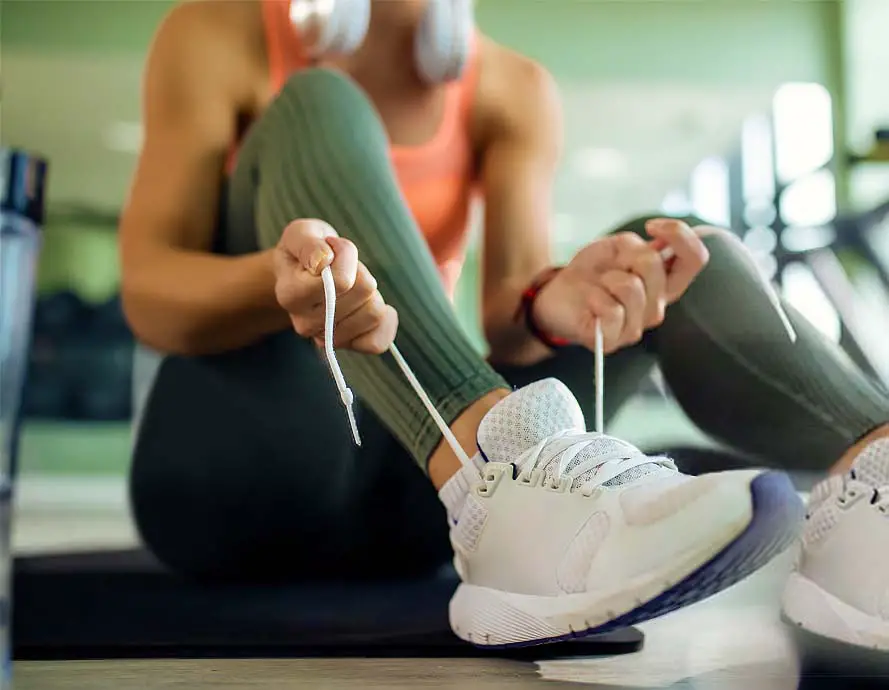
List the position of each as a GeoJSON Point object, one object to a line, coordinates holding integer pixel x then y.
{"type": "Point", "coordinates": [349, 403]}
{"type": "Point", "coordinates": [346, 393]}
{"type": "Point", "coordinates": [346, 396]}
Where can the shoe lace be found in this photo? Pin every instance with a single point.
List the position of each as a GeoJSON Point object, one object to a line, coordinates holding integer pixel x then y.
{"type": "Point", "coordinates": [346, 396]}
{"type": "Point", "coordinates": [607, 467]}
{"type": "Point", "coordinates": [567, 445]}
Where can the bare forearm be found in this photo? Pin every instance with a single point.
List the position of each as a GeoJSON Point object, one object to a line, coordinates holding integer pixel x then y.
{"type": "Point", "coordinates": [509, 340]}
{"type": "Point", "coordinates": [196, 303]}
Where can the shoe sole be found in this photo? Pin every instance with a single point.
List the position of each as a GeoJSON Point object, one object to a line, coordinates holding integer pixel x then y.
{"type": "Point", "coordinates": [816, 611]}
{"type": "Point", "coordinates": [488, 618]}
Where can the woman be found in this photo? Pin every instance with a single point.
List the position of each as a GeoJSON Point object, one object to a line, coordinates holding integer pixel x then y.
{"type": "Point", "coordinates": [282, 139]}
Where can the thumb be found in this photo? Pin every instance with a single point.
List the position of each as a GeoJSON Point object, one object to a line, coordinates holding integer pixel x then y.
{"type": "Point", "coordinates": [307, 241]}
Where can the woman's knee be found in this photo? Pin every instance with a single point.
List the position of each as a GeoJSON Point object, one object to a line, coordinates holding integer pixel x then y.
{"type": "Point", "coordinates": [321, 91]}
{"type": "Point", "coordinates": [727, 251]}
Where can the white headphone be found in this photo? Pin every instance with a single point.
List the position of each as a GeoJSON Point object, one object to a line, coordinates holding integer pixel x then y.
{"type": "Point", "coordinates": [338, 27]}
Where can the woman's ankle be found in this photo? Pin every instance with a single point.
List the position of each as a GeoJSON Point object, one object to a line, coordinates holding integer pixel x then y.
{"type": "Point", "coordinates": [443, 463]}
{"type": "Point", "coordinates": [845, 463]}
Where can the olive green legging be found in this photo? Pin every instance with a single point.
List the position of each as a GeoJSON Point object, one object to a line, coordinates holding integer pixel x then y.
{"type": "Point", "coordinates": [244, 465]}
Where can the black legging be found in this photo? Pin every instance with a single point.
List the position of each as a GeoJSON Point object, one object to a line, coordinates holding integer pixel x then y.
{"type": "Point", "coordinates": [244, 466]}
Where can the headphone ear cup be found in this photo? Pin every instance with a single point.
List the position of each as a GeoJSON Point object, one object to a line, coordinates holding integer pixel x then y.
{"type": "Point", "coordinates": [330, 27]}
{"type": "Point", "coordinates": [443, 41]}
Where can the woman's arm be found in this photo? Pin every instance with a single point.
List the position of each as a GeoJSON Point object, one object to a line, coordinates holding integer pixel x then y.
{"type": "Point", "coordinates": [179, 297]}
{"type": "Point", "coordinates": [521, 117]}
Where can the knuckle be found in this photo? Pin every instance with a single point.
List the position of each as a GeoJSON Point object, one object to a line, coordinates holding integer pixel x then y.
{"type": "Point", "coordinates": [624, 237]}
{"type": "Point", "coordinates": [365, 285]}
{"type": "Point", "coordinates": [293, 230]}
{"type": "Point", "coordinates": [375, 305]}
{"type": "Point", "coordinates": [348, 246]}
{"type": "Point", "coordinates": [628, 240]}
{"type": "Point", "coordinates": [343, 280]}
{"type": "Point", "coordinates": [674, 224]}
{"type": "Point", "coordinates": [635, 284]}
{"type": "Point", "coordinates": [613, 313]}
{"type": "Point", "coordinates": [375, 343]}
{"type": "Point", "coordinates": [649, 261]}
{"type": "Point", "coordinates": [375, 316]}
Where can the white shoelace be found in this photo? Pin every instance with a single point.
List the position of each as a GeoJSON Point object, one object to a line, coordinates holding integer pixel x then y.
{"type": "Point", "coordinates": [569, 444]}
{"type": "Point", "coordinates": [346, 393]}
{"type": "Point", "coordinates": [348, 399]}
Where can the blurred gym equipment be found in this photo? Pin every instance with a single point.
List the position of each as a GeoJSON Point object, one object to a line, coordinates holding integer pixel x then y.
{"type": "Point", "coordinates": [58, 314]}
{"type": "Point", "coordinates": [854, 274]}
{"type": "Point", "coordinates": [80, 364]}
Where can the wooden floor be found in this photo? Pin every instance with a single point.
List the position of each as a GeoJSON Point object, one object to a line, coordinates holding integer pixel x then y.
{"type": "Point", "coordinates": [348, 673]}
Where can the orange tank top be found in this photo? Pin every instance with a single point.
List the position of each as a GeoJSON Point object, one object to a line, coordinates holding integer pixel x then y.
{"type": "Point", "coordinates": [438, 178]}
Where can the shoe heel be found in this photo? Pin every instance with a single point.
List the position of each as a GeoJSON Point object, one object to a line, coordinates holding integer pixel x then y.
{"type": "Point", "coordinates": [483, 617]}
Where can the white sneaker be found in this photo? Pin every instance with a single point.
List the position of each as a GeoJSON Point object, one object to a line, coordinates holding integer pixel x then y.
{"type": "Point", "coordinates": [840, 586]}
{"type": "Point", "coordinates": [567, 533]}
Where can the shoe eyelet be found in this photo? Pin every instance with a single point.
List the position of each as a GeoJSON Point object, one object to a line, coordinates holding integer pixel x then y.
{"type": "Point", "coordinates": [561, 487]}
{"type": "Point", "coordinates": [490, 480]}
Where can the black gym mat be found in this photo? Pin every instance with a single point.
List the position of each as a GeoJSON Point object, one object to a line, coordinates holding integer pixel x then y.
{"type": "Point", "coordinates": [123, 604]}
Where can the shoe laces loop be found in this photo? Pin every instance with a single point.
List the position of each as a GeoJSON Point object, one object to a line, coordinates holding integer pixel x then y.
{"type": "Point", "coordinates": [568, 444]}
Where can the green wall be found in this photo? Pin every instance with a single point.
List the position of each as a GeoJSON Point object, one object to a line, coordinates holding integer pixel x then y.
{"type": "Point", "coordinates": [104, 27]}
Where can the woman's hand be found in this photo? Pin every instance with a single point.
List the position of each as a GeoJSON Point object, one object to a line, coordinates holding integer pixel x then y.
{"type": "Point", "coordinates": [363, 321]}
{"type": "Point", "coordinates": [623, 282]}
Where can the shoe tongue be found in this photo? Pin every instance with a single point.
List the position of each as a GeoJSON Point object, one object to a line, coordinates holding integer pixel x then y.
{"type": "Point", "coordinates": [872, 464]}
{"type": "Point", "coordinates": [533, 413]}
{"type": "Point", "coordinates": [526, 417]}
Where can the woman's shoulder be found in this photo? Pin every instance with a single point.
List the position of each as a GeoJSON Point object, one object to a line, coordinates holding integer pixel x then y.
{"type": "Point", "coordinates": [509, 83]}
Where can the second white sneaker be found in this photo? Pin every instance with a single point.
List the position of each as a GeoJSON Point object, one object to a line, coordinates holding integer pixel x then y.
{"type": "Point", "coordinates": [840, 586]}
{"type": "Point", "coordinates": [560, 533]}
